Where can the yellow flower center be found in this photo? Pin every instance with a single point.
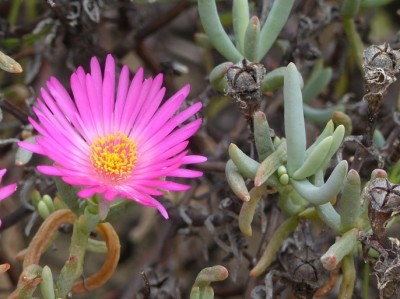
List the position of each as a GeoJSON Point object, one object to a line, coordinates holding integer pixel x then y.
{"type": "Point", "coordinates": [114, 156]}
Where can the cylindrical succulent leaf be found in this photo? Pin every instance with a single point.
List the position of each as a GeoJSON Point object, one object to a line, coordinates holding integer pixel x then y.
{"type": "Point", "coordinates": [337, 139]}
{"type": "Point", "coordinates": [209, 275]}
{"type": "Point", "coordinates": [294, 118]}
{"type": "Point", "coordinates": [321, 115]}
{"type": "Point", "coordinates": [322, 194]}
{"type": "Point", "coordinates": [8, 64]}
{"type": "Point", "coordinates": [328, 131]}
{"type": "Point", "coordinates": [350, 8]}
{"type": "Point", "coordinates": [217, 76]}
{"type": "Point", "coordinates": [276, 19]}
{"type": "Point", "coordinates": [270, 164]}
{"type": "Point", "coordinates": [47, 284]}
{"type": "Point", "coordinates": [315, 160]}
{"type": "Point", "coordinates": [212, 25]}
{"type": "Point", "coordinates": [349, 206]}
{"type": "Point", "coordinates": [246, 165]}
{"type": "Point", "coordinates": [273, 79]}
{"type": "Point", "coordinates": [262, 136]}
{"type": "Point", "coordinates": [252, 40]}
{"type": "Point", "coordinates": [341, 118]}
{"type": "Point", "coordinates": [240, 16]}
{"type": "Point", "coordinates": [316, 83]}
{"type": "Point", "coordinates": [248, 209]}
{"type": "Point", "coordinates": [341, 248]}
{"type": "Point", "coordinates": [236, 182]}
{"type": "Point", "coordinates": [329, 216]}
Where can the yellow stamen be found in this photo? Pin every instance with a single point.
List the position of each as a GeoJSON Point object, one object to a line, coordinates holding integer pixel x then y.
{"type": "Point", "coordinates": [114, 156]}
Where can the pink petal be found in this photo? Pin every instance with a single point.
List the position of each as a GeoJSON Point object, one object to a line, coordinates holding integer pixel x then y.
{"type": "Point", "coordinates": [6, 191]}
{"type": "Point", "coordinates": [49, 170]}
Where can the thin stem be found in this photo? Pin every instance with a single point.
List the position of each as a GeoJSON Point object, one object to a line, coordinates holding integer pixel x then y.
{"type": "Point", "coordinates": [365, 281]}
{"type": "Point", "coordinates": [113, 252]}
{"type": "Point", "coordinates": [73, 268]}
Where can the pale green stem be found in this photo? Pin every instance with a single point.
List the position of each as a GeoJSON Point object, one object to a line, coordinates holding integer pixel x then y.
{"type": "Point", "coordinates": [73, 268]}
{"type": "Point", "coordinates": [14, 12]}
{"type": "Point", "coordinates": [283, 231]}
{"type": "Point", "coordinates": [356, 44]}
{"type": "Point", "coordinates": [349, 8]}
{"type": "Point", "coordinates": [365, 281]}
{"type": "Point", "coordinates": [349, 278]}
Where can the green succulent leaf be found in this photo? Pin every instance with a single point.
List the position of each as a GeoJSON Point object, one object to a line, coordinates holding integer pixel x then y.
{"type": "Point", "coordinates": [321, 115]}
{"type": "Point", "coordinates": [341, 118]}
{"type": "Point", "coordinates": [349, 206]}
{"type": "Point", "coordinates": [236, 182]}
{"type": "Point", "coordinates": [270, 164]}
{"type": "Point", "coordinates": [328, 131]}
{"type": "Point", "coordinates": [47, 284]}
{"type": "Point", "coordinates": [8, 64]}
{"type": "Point", "coordinates": [273, 79]}
{"type": "Point", "coordinates": [276, 19]}
{"type": "Point", "coordinates": [252, 40]}
{"type": "Point", "coordinates": [322, 194]}
{"type": "Point", "coordinates": [195, 293]}
{"type": "Point", "coordinates": [209, 275]}
{"type": "Point", "coordinates": [248, 209]}
{"type": "Point", "coordinates": [340, 249]}
{"type": "Point", "coordinates": [329, 216]}
{"type": "Point", "coordinates": [379, 139]}
{"type": "Point", "coordinates": [217, 76]}
{"type": "Point", "coordinates": [290, 202]}
{"type": "Point", "coordinates": [315, 160]}
{"type": "Point", "coordinates": [350, 8]}
{"type": "Point", "coordinates": [294, 119]}
{"type": "Point", "coordinates": [212, 25]}
{"type": "Point", "coordinates": [337, 137]}
{"type": "Point", "coordinates": [262, 136]}
{"type": "Point", "coordinates": [246, 165]}
{"type": "Point", "coordinates": [240, 14]}
{"type": "Point", "coordinates": [316, 84]}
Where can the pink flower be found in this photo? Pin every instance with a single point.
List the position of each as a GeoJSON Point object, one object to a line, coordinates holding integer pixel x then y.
{"type": "Point", "coordinates": [115, 141]}
{"type": "Point", "coordinates": [6, 191]}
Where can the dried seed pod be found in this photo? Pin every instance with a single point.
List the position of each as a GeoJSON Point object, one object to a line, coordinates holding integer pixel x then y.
{"type": "Point", "coordinates": [244, 84]}
{"type": "Point", "coordinates": [385, 196]}
{"type": "Point", "coordinates": [381, 64]}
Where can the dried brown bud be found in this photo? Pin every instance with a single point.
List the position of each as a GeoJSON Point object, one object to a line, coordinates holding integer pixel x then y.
{"type": "Point", "coordinates": [385, 196]}
{"type": "Point", "coordinates": [244, 85]}
{"type": "Point", "coordinates": [381, 64]}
